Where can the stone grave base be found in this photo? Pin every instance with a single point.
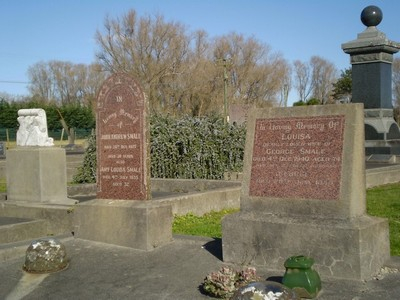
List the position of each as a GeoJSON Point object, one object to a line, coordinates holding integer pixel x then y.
{"type": "Point", "coordinates": [353, 249]}
{"type": "Point", "coordinates": [37, 174]}
{"type": "Point", "coordinates": [29, 221]}
{"type": "Point", "coordinates": [142, 225]}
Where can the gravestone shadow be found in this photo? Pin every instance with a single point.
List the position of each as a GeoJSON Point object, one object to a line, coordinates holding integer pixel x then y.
{"type": "Point", "coordinates": [214, 247]}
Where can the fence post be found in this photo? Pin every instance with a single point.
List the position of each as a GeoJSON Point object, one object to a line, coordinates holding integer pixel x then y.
{"type": "Point", "coordinates": [7, 138]}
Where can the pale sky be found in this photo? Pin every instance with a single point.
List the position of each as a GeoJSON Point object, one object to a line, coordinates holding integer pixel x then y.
{"type": "Point", "coordinates": [45, 30]}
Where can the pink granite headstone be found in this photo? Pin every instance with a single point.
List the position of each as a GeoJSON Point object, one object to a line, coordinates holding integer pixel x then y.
{"type": "Point", "coordinates": [305, 161]}
{"type": "Point", "coordinates": [122, 134]}
{"type": "Point", "coordinates": [298, 158]}
{"type": "Point", "coordinates": [303, 191]}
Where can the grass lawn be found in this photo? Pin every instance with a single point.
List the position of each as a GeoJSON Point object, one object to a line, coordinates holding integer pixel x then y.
{"type": "Point", "coordinates": [383, 201]}
{"type": "Point", "coordinates": [206, 225]}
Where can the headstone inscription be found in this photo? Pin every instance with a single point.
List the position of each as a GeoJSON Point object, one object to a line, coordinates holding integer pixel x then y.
{"type": "Point", "coordinates": [122, 140]}
{"type": "Point", "coordinates": [303, 193]}
{"type": "Point", "coordinates": [297, 158]}
{"type": "Point", "coordinates": [301, 155]}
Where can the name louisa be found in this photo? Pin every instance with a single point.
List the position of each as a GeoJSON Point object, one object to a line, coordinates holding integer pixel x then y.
{"type": "Point", "coordinates": [295, 136]}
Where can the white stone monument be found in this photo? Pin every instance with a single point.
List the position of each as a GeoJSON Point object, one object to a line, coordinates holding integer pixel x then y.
{"type": "Point", "coordinates": [32, 129]}
{"type": "Point", "coordinates": [36, 170]}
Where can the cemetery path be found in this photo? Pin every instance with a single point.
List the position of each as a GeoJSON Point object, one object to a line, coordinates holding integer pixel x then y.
{"type": "Point", "coordinates": [175, 271]}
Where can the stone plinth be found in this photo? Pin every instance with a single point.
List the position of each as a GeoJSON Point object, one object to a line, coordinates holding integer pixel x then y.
{"type": "Point", "coordinates": [37, 174]}
{"type": "Point", "coordinates": [142, 225]}
{"type": "Point", "coordinates": [353, 249]}
{"type": "Point", "coordinates": [303, 193]}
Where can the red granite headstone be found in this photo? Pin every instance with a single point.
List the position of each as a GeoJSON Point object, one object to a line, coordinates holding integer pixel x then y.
{"type": "Point", "coordinates": [122, 134]}
{"type": "Point", "coordinates": [297, 158]}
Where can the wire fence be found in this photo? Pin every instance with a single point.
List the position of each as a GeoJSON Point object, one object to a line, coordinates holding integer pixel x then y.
{"type": "Point", "coordinates": [10, 134]}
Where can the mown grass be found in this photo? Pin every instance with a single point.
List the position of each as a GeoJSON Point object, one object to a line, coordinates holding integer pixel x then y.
{"type": "Point", "coordinates": [383, 201]}
{"type": "Point", "coordinates": [207, 225]}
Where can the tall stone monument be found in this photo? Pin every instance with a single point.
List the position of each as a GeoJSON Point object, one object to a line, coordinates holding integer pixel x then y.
{"type": "Point", "coordinates": [36, 170]}
{"type": "Point", "coordinates": [303, 193]}
{"type": "Point", "coordinates": [123, 213]}
{"type": "Point", "coordinates": [371, 57]}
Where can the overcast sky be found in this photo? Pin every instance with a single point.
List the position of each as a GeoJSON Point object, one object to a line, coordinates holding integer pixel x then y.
{"type": "Point", "coordinates": [45, 30]}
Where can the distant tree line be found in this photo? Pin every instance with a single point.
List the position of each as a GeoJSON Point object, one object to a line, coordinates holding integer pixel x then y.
{"type": "Point", "coordinates": [183, 73]}
{"type": "Point", "coordinates": [65, 83]}
{"type": "Point", "coordinates": [190, 73]}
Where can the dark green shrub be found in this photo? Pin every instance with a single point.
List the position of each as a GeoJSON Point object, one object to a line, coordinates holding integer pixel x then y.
{"type": "Point", "coordinates": [313, 101]}
{"type": "Point", "coordinates": [299, 103]}
{"type": "Point", "coordinates": [75, 115]}
{"type": "Point", "coordinates": [190, 148]}
{"type": "Point", "coordinates": [195, 147]}
{"type": "Point", "coordinates": [87, 172]}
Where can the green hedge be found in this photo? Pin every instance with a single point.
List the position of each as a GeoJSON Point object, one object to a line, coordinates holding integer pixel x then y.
{"type": "Point", "coordinates": [76, 116]}
{"type": "Point", "coordinates": [195, 147]}
{"type": "Point", "coordinates": [189, 148]}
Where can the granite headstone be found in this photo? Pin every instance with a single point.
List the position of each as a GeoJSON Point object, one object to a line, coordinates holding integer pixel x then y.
{"type": "Point", "coordinates": [122, 140]}
{"type": "Point", "coordinates": [123, 174]}
{"type": "Point", "coordinates": [303, 193]}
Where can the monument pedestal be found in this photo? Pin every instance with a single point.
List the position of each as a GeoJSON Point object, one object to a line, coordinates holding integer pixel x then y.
{"type": "Point", "coordinates": [37, 174]}
{"type": "Point", "coordinates": [354, 249]}
{"type": "Point", "coordinates": [142, 225]}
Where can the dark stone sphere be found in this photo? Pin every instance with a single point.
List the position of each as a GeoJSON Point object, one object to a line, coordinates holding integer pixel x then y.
{"type": "Point", "coordinates": [371, 15]}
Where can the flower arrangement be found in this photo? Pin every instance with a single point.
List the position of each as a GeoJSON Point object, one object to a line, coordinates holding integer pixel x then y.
{"type": "Point", "coordinates": [224, 283]}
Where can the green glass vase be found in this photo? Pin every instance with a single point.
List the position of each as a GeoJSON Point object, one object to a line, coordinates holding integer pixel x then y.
{"type": "Point", "coordinates": [300, 277]}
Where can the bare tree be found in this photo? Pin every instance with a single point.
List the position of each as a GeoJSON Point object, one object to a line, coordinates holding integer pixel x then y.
{"type": "Point", "coordinates": [256, 73]}
{"type": "Point", "coordinates": [42, 85]}
{"type": "Point", "coordinates": [151, 49]}
{"type": "Point", "coordinates": [314, 78]}
{"type": "Point", "coordinates": [180, 71]}
{"type": "Point", "coordinates": [65, 82]}
{"type": "Point", "coordinates": [324, 74]}
{"type": "Point", "coordinates": [303, 79]}
{"type": "Point", "coordinates": [199, 77]}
